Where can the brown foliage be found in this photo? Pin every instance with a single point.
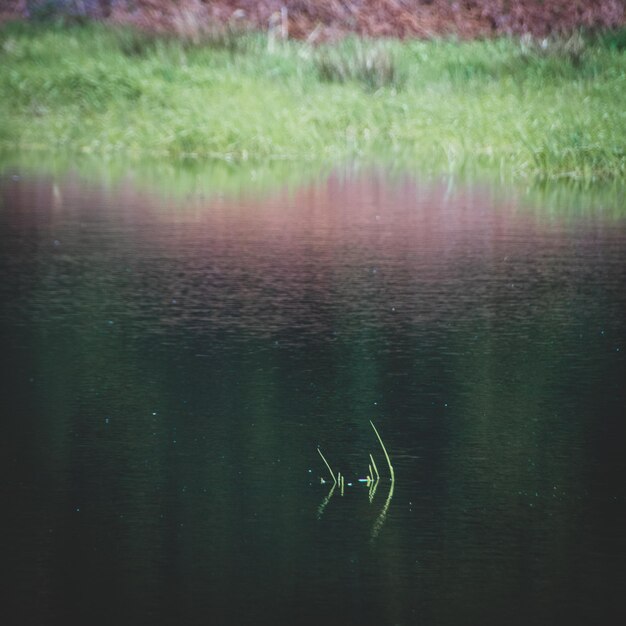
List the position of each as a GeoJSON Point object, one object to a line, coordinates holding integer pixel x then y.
{"type": "Point", "coordinates": [372, 18]}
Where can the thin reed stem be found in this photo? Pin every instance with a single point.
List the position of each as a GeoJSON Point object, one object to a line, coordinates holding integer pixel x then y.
{"type": "Point", "coordinates": [328, 466]}
{"type": "Point", "coordinates": [374, 466]}
{"type": "Point", "coordinates": [393, 477]}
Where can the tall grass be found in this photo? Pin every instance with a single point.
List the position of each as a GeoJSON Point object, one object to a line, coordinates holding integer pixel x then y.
{"type": "Point", "coordinates": [368, 63]}
{"type": "Point", "coordinates": [522, 109]}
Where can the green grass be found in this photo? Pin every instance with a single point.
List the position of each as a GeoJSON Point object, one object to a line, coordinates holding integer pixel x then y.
{"type": "Point", "coordinates": [519, 109]}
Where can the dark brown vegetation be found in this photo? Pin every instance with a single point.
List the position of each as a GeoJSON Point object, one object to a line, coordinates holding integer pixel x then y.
{"type": "Point", "coordinates": [323, 19]}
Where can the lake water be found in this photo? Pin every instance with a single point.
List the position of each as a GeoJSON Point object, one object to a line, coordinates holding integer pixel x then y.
{"type": "Point", "coordinates": [171, 362]}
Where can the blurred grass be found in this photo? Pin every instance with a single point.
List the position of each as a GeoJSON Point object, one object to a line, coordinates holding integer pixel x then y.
{"type": "Point", "coordinates": [546, 110]}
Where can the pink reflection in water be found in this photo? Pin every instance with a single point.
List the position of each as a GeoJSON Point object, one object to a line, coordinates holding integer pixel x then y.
{"type": "Point", "coordinates": [360, 245]}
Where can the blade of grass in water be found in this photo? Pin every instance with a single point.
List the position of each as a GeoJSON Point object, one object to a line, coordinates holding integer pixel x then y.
{"type": "Point", "coordinates": [328, 466]}
{"type": "Point", "coordinates": [375, 468]}
{"type": "Point", "coordinates": [385, 451]}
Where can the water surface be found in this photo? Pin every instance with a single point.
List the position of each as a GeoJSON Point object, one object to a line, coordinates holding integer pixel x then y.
{"type": "Point", "coordinates": [171, 363]}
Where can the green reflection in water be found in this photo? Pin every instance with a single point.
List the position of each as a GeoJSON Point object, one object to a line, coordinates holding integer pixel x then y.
{"type": "Point", "coordinates": [202, 179]}
{"type": "Point", "coordinates": [178, 180]}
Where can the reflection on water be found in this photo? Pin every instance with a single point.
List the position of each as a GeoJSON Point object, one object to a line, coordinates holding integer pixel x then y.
{"type": "Point", "coordinates": [171, 366]}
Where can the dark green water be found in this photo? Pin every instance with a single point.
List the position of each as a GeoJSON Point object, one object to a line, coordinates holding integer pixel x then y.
{"type": "Point", "coordinates": [170, 366]}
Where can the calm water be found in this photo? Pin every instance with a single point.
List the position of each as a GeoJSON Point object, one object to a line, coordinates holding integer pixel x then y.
{"type": "Point", "coordinates": [170, 366]}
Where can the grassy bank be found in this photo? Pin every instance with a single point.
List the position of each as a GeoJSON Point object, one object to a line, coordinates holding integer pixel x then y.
{"type": "Point", "coordinates": [521, 109]}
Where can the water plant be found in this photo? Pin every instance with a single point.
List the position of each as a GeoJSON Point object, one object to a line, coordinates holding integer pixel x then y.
{"type": "Point", "coordinates": [374, 467]}
{"type": "Point", "coordinates": [382, 445]}
{"type": "Point", "coordinates": [371, 480]}
{"type": "Point", "coordinates": [332, 475]}
{"type": "Point", "coordinates": [373, 475]}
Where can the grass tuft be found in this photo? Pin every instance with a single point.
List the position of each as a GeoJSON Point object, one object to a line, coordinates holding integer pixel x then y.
{"type": "Point", "coordinates": [370, 63]}
{"type": "Point", "coordinates": [569, 49]}
{"type": "Point", "coordinates": [192, 29]}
